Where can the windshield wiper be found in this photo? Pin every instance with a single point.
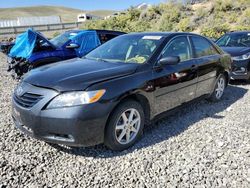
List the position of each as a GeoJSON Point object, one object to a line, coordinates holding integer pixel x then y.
{"type": "Point", "coordinates": [100, 59]}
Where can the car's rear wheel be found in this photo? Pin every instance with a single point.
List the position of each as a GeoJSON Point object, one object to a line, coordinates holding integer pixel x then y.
{"type": "Point", "coordinates": [125, 126]}
{"type": "Point", "coordinates": [219, 89]}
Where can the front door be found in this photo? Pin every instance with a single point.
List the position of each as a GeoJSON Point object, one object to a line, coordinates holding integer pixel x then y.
{"type": "Point", "coordinates": [175, 84]}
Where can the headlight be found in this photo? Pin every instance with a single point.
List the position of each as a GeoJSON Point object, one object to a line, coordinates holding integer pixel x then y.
{"type": "Point", "coordinates": [76, 98]}
{"type": "Point", "coordinates": [242, 57]}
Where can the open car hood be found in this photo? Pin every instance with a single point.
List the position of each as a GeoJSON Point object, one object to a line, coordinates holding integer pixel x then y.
{"type": "Point", "coordinates": [77, 74]}
{"type": "Point", "coordinates": [25, 44]}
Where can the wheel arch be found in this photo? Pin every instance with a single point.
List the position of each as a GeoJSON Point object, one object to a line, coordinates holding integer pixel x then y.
{"type": "Point", "coordinates": [226, 74]}
{"type": "Point", "coordinates": [141, 99]}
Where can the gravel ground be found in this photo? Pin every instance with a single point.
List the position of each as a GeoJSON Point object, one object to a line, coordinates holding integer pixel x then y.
{"type": "Point", "coordinates": [203, 145]}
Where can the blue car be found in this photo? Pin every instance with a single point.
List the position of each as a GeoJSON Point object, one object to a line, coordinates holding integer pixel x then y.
{"type": "Point", "coordinates": [6, 46]}
{"type": "Point", "coordinates": [33, 50]}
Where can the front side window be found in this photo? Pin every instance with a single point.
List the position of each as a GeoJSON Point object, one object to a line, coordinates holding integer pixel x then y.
{"type": "Point", "coordinates": [127, 49]}
{"type": "Point", "coordinates": [178, 47]}
{"type": "Point", "coordinates": [202, 47]}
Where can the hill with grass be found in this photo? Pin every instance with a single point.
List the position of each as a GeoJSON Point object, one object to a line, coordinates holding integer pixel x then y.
{"type": "Point", "coordinates": [67, 14]}
{"type": "Point", "coordinates": [208, 17]}
{"type": "Point", "coordinates": [101, 13]}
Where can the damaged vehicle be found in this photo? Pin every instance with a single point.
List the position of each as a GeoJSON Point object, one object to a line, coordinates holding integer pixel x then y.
{"type": "Point", "coordinates": [32, 49]}
{"type": "Point", "coordinates": [6, 46]}
{"type": "Point", "coordinates": [237, 44]}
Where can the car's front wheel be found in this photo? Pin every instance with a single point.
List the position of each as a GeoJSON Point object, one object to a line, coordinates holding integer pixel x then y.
{"type": "Point", "coordinates": [219, 88]}
{"type": "Point", "coordinates": [125, 126]}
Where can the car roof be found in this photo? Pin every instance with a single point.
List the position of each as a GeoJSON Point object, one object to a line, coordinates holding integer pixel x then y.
{"type": "Point", "coordinates": [238, 32]}
{"type": "Point", "coordinates": [165, 34]}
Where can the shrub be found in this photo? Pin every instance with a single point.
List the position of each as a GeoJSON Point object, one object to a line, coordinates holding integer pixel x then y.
{"type": "Point", "coordinates": [215, 31]}
{"type": "Point", "coordinates": [224, 5]}
{"type": "Point", "coordinates": [184, 25]}
{"type": "Point", "coordinates": [212, 19]}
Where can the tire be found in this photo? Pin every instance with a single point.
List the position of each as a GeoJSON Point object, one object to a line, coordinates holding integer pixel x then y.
{"type": "Point", "coordinates": [119, 134]}
{"type": "Point", "coordinates": [218, 89]}
{"type": "Point", "coordinates": [248, 80]}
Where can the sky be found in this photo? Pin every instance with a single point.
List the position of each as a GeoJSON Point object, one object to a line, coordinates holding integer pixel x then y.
{"type": "Point", "coordinates": [79, 4]}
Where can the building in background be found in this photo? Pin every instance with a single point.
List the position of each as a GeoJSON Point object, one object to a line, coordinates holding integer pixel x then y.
{"type": "Point", "coordinates": [85, 17]}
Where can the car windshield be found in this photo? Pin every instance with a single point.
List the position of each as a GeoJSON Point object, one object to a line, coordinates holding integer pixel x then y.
{"type": "Point", "coordinates": [235, 40]}
{"type": "Point", "coordinates": [60, 40]}
{"type": "Point", "coordinates": [127, 49]}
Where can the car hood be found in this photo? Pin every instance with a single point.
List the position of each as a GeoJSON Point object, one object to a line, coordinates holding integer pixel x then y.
{"type": "Point", "coordinates": [236, 51]}
{"type": "Point", "coordinates": [77, 74]}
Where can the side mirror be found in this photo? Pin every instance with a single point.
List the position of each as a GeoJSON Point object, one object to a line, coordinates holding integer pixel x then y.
{"type": "Point", "coordinates": [72, 46]}
{"type": "Point", "coordinates": [171, 60]}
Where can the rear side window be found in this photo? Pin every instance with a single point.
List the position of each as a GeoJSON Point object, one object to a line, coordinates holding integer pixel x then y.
{"type": "Point", "coordinates": [202, 47]}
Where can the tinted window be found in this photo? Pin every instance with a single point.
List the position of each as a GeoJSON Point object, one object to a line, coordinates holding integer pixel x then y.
{"type": "Point", "coordinates": [202, 47]}
{"type": "Point", "coordinates": [235, 40]}
{"type": "Point", "coordinates": [178, 47]}
{"type": "Point", "coordinates": [106, 37]}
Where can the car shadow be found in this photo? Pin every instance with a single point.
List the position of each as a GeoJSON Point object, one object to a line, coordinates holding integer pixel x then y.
{"type": "Point", "coordinates": [167, 127]}
{"type": "Point", "coordinates": [239, 82]}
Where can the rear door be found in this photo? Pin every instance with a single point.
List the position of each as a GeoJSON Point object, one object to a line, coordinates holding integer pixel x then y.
{"type": "Point", "coordinates": [175, 84]}
{"type": "Point", "coordinates": [207, 58]}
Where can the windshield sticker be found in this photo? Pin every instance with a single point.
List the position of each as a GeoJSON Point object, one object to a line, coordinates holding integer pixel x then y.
{"type": "Point", "coordinates": [152, 37]}
{"type": "Point", "coordinates": [248, 34]}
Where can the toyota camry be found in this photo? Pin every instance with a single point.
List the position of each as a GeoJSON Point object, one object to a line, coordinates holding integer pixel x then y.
{"type": "Point", "coordinates": [109, 95]}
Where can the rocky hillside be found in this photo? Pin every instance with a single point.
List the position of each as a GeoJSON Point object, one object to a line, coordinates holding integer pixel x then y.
{"type": "Point", "coordinates": [211, 18]}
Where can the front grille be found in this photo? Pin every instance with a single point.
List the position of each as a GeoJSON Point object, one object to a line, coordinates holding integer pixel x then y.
{"type": "Point", "coordinates": [27, 100]}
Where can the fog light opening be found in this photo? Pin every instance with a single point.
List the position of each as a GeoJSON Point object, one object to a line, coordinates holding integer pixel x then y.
{"type": "Point", "coordinates": [239, 70]}
{"type": "Point", "coordinates": [27, 128]}
{"type": "Point", "coordinates": [61, 137]}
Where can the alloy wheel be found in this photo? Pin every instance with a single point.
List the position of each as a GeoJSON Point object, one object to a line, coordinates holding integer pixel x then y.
{"type": "Point", "coordinates": [127, 126]}
{"type": "Point", "coordinates": [220, 88]}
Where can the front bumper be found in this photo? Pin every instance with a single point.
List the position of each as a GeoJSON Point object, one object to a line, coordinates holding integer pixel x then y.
{"type": "Point", "coordinates": [73, 126]}
{"type": "Point", "coordinates": [240, 70]}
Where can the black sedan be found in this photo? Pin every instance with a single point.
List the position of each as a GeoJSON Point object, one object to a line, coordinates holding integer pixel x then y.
{"type": "Point", "coordinates": [110, 94]}
{"type": "Point", "coordinates": [237, 44]}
